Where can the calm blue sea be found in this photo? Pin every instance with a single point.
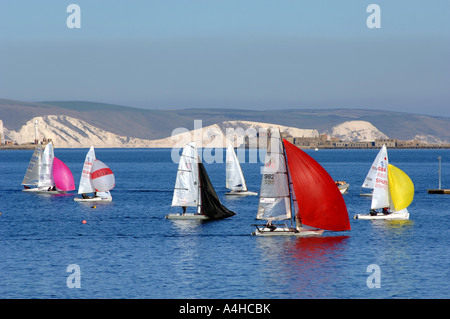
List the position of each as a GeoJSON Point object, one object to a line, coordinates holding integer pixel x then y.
{"type": "Point", "coordinates": [126, 249]}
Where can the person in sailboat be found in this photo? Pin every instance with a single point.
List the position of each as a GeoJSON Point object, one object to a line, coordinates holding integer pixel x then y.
{"type": "Point", "coordinates": [84, 196]}
{"type": "Point", "coordinates": [386, 210]}
{"type": "Point", "coordinates": [270, 225]}
{"type": "Point", "coordinates": [184, 209]}
{"type": "Point", "coordinates": [373, 212]}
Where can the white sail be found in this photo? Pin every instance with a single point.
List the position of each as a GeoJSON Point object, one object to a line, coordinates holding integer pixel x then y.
{"type": "Point", "coordinates": [85, 179]}
{"type": "Point", "coordinates": [186, 192]}
{"type": "Point", "coordinates": [32, 174]}
{"type": "Point", "coordinates": [369, 182]}
{"type": "Point", "coordinates": [45, 167]}
{"type": "Point", "coordinates": [381, 198]}
{"type": "Point", "coordinates": [274, 198]}
{"type": "Point", "coordinates": [234, 176]}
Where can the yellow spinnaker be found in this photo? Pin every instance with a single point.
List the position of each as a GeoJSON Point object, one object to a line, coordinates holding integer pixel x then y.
{"type": "Point", "coordinates": [401, 188]}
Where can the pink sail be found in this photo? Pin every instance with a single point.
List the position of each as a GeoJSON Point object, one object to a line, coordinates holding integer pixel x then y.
{"type": "Point", "coordinates": [62, 176]}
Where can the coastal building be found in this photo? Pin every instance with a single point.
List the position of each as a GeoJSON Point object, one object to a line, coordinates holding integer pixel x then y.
{"type": "Point", "coordinates": [389, 142]}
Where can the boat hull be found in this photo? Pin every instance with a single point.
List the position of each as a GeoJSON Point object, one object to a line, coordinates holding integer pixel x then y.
{"type": "Point", "coordinates": [343, 188]}
{"type": "Point", "coordinates": [187, 216]}
{"type": "Point", "coordinates": [366, 194]}
{"type": "Point", "coordinates": [401, 215]}
{"type": "Point", "coordinates": [287, 231]}
{"type": "Point", "coordinates": [93, 199]}
{"type": "Point", "coordinates": [41, 191]}
{"type": "Point", "coordinates": [246, 193]}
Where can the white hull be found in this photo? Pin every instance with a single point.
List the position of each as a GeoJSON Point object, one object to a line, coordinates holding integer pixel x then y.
{"type": "Point", "coordinates": [238, 193]}
{"type": "Point", "coordinates": [401, 215]}
{"type": "Point", "coordinates": [364, 191]}
{"type": "Point", "coordinates": [366, 194]}
{"type": "Point", "coordinates": [41, 191]}
{"type": "Point", "coordinates": [93, 199]}
{"type": "Point", "coordinates": [287, 231]}
{"type": "Point", "coordinates": [187, 216]}
{"type": "Point", "coordinates": [343, 188]}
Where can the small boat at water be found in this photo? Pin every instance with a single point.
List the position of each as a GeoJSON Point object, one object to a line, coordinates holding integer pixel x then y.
{"type": "Point", "coordinates": [235, 180]}
{"type": "Point", "coordinates": [393, 190]}
{"type": "Point", "coordinates": [291, 178]}
{"type": "Point", "coordinates": [194, 189]}
{"type": "Point", "coordinates": [47, 174]}
{"type": "Point", "coordinates": [96, 178]}
{"type": "Point", "coordinates": [343, 186]}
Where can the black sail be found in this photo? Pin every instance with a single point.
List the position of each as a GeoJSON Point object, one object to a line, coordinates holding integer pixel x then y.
{"type": "Point", "coordinates": [211, 205]}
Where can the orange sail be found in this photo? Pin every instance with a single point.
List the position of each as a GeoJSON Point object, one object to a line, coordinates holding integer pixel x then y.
{"type": "Point", "coordinates": [320, 203]}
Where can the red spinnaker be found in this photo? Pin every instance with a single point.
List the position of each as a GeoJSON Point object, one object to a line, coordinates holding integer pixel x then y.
{"type": "Point", "coordinates": [320, 202]}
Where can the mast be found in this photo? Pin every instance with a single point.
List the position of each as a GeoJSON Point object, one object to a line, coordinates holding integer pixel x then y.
{"type": "Point", "coordinates": [199, 201]}
{"type": "Point", "coordinates": [36, 137]}
{"type": "Point", "coordinates": [294, 200]}
{"type": "Point", "coordinates": [439, 158]}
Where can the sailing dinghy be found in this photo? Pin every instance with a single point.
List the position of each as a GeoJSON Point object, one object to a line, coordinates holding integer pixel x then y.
{"type": "Point", "coordinates": [392, 189]}
{"type": "Point", "coordinates": [235, 180]}
{"type": "Point", "coordinates": [194, 189]}
{"type": "Point", "coordinates": [293, 178]}
{"type": "Point", "coordinates": [54, 177]}
{"type": "Point", "coordinates": [95, 178]}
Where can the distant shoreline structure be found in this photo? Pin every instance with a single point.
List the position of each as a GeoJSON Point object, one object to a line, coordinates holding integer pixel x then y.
{"type": "Point", "coordinates": [343, 147]}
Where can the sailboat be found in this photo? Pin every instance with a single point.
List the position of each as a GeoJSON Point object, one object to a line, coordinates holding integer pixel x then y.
{"type": "Point", "coordinates": [95, 178]}
{"type": "Point", "coordinates": [235, 180]}
{"type": "Point", "coordinates": [49, 174]}
{"type": "Point", "coordinates": [392, 189]}
{"type": "Point", "coordinates": [194, 189]}
{"type": "Point", "coordinates": [291, 178]}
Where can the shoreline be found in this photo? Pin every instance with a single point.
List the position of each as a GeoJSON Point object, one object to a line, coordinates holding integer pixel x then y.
{"type": "Point", "coordinates": [32, 146]}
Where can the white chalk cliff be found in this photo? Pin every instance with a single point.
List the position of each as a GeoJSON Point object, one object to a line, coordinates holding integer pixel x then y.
{"type": "Point", "coordinates": [356, 131]}
{"type": "Point", "coordinates": [68, 132]}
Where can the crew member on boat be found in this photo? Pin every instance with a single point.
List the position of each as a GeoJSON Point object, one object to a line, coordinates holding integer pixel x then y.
{"type": "Point", "coordinates": [270, 226]}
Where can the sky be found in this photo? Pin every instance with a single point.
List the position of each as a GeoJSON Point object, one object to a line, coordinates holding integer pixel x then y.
{"type": "Point", "coordinates": [244, 54]}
